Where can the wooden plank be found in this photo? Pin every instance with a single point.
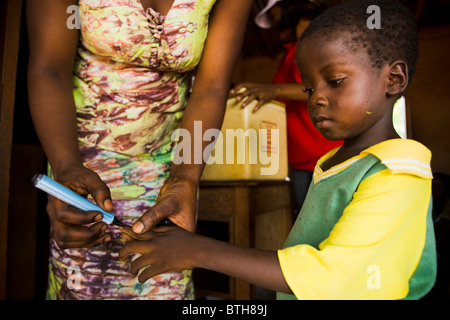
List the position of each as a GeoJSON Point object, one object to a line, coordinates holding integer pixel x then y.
{"type": "Point", "coordinates": [10, 32]}
{"type": "Point", "coordinates": [271, 197]}
{"type": "Point", "coordinates": [242, 289]}
{"type": "Point", "coordinates": [216, 201]}
{"type": "Point", "coordinates": [272, 228]}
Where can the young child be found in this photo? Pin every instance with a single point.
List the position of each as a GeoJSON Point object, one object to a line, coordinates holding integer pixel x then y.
{"type": "Point", "coordinates": [365, 229]}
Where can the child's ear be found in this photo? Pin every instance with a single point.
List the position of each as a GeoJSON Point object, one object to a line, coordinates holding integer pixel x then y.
{"type": "Point", "coordinates": [398, 78]}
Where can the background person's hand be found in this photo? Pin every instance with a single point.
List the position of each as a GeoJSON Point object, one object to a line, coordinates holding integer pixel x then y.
{"type": "Point", "coordinates": [248, 92]}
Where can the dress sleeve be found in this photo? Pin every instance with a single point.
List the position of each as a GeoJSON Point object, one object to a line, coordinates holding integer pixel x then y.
{"type": "Point", "coordinates": [373, 250]}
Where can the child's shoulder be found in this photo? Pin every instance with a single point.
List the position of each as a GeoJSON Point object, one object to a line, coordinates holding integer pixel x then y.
{"type": "Point", "coordinates": [403, 156]}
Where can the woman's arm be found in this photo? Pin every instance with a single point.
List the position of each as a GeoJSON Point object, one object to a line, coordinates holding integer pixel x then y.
{"type": "Point", "coordinates": [52, 53]}
{"type": "Point", "coordinates": [207, 105]}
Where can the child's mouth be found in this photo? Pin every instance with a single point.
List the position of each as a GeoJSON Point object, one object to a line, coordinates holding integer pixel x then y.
{"type": "Point", "coordinates": [322, 122]}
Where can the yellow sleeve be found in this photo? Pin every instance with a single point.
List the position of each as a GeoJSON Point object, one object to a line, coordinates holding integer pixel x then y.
{"type": "Point", "coordinates": [373, 250]}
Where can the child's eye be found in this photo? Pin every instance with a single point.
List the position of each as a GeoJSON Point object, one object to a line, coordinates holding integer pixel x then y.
{"type": "Point", "coordinates": [336, 82]}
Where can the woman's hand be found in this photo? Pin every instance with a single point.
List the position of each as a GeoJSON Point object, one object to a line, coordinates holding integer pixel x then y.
{"type": "Point", "coordinates": [176, 201]}
{"type": "Point", "coordinates": [161, 250]}
{"type": "Point", "coordinates": [73, 228]}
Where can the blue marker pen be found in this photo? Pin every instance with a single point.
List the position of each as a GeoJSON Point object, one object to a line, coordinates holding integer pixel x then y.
{"type": "Point", "coordinates": [57, 190]}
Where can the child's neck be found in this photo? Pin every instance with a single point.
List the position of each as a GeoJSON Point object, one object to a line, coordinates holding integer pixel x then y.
{"type": "Point", "coordinates": [351, 148]}
{"type": "Point", "coordinates": [343, 154]}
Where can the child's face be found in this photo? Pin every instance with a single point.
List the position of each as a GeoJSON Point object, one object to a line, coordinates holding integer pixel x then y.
{"type": "Point", "coordinates": [347, 96]}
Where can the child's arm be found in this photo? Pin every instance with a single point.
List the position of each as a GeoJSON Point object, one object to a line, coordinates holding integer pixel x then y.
{"type": "Point", "coordinates": [175, 249]}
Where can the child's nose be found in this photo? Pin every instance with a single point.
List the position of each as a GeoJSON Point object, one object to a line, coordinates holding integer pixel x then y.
{"type": "Point", "coordinates": [317, 100]}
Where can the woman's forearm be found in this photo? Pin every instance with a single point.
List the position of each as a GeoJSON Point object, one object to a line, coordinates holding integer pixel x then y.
{"type": "Point", "coordinates": [52, 53]}
{"type": "Point", "coordinates": [204, 111]}
{"type": "Point", "coordinates": [54, 117]}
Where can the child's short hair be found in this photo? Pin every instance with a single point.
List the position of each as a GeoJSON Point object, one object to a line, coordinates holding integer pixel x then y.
{"type": "Point", "coordinates": [395, 39]}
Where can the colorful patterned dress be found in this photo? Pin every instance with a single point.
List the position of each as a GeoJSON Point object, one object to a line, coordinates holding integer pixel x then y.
{"type": "Point", "coordinates": [131, 80]}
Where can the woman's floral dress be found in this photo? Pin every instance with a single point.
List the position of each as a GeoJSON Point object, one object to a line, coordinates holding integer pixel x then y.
{"type": "Point", "coordinates": [131, 80]}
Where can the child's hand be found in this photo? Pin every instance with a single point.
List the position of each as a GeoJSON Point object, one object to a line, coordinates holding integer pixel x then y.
{"type": "Point", "coordinates": [161, 250]}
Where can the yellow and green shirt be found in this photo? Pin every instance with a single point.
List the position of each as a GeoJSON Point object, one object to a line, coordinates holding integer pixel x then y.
{"type": "Point", "coordinates": [365, 229]}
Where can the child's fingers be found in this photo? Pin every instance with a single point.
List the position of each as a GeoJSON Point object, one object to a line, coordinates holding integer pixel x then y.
{"type": "Point", "coordinates": [141, 262]}
{"type": "Point", "coordinates": [133, 247]}
{"type": "Point", "coordinates": [125, 237]}
{"type": "Point", "coordinates": [128, 234]}
{"type": "Point", "coordinates": [149, 272]}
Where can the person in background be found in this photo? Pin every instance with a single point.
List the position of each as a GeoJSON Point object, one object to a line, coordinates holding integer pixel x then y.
{"type": "Point", "coordinates": [305, 143]}
{"type": "Point", "coordinates": [105, 99]}
{"type": "Point", "coordinates": [365, 230]}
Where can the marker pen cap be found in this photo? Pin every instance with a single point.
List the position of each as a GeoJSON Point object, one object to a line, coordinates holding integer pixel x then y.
{"type": "Point", "coordinates": [68, 196]}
